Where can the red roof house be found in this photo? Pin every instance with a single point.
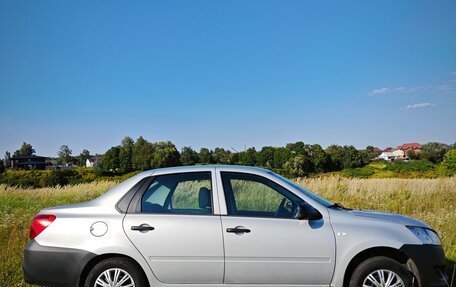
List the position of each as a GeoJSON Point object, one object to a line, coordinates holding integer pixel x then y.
{"type": "Point", "coordinates": [409, 146]}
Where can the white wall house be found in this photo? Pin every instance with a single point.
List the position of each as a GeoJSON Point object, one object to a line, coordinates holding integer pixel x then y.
{"type": "Point", "coordinates": [386, 155]}
{"type": "Point", "coordinates": [399, 153]}
{"type": "Point", "coordinates": [89, 163]}
{"type": "Point", "coordinates": [92, 161]}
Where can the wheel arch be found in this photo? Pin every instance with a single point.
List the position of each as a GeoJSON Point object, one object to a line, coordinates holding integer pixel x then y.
{"type": "Point", "coordinates": [95, 260]}
{"type": "Point", "coordinates": [390, 252]}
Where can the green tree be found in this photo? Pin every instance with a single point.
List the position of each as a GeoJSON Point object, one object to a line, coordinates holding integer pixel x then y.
{"type": "Point", "coordinates": [234, 158]}
{"type": "Point", "coordinates": [449, 162]}
{"type": "Point", "coordinates": [352, 157]}
{"type": "Point", "coordinates": [320, 159]}
{"type": "Point", "coordinates": [434, 151]}
{"type": "Point", "coordinates": [189, 156]}
{"type": "Point", "coordinates": [411, 154]}
{"type": "Point", "coordinates": [126, 154]}
{"type": "Point", "coordinates": [24, 150]}
{"type": "Point", "coordinates": [7, 159]}
{"type": "Point", "coordinates": [296, 148]}
{"type": "Point", "coordinates": [221, 156]}
{"type": "Point", "coordinates": [281, 156]}
{"type": "Point", "coordinates": [111, 160]}
{"type": "Point", "coordinates": [336, 153]}
{"type": "Point", "coordinates": [165, 155]}
{"type": "Point", "coordinates": [64, 155]}
{"type": "Point", "coordinates": [248, 157]}
{"type": "Point", "coordinates": [369, 153]}
{"type": "Point", "coordinates": [2, 167]}
{"type": "Point", "coordinates": [344, 157]}
{"type": "Point", "coordinates": [143, 152]}
{"type": "Point", "coordinates": [83, 157]}
{"type": "Point", "coordinates": [266, 156]}
{"type": "Point", "coordinates": [298, 166]}
{"type": "Point", "coordinates": [205, 156]}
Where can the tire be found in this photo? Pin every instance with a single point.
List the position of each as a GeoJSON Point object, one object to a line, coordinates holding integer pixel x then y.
{"type": "Point", "coordinates": [376, 266]}
{"type": "Point", "coordinates": [123, 266]}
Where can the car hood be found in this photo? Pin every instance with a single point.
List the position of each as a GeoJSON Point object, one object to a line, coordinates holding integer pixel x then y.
{"type": "Point", "coordinates": [388, 216]}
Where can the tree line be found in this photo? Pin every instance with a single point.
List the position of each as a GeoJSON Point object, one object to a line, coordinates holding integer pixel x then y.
{"type": "Point", "coordinates": [294, 159]}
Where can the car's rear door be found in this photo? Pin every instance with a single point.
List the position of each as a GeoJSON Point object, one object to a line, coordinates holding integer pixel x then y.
{"type": "Point", "coordinates": [174, 227]}
{"type": "Point", "coordinates": [264, 244]}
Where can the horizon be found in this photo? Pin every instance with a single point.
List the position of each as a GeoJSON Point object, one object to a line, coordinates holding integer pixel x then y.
{"type": "Point", "coordinates": [226, 74]}
{"type": "Point", "coordinates": [179, 148]}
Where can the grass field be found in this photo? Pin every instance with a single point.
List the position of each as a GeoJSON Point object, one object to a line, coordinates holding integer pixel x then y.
{"type": "Point", "coordinates": [430, 200]}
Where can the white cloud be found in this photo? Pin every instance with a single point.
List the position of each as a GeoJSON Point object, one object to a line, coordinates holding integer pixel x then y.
{"type": "Point", "coordinates": [383, 91]}
{"type": "Point", "coordinates": [379, 91]}
{"type": "Point", "coordinates": [440, 87]}
{"type": "Point", "coordinates": [419, 106]}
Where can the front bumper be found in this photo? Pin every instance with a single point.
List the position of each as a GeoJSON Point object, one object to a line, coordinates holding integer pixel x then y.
{"type": "Point", "coordinates": [54, 266]}
{"type": "Point", "coordinates": [428, 264]}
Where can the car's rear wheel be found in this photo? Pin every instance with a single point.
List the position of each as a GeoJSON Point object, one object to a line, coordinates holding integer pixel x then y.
{"type": "Point", "coordinates": [118, 272]}
{"type": "Point", "coordinates": [381, 272]}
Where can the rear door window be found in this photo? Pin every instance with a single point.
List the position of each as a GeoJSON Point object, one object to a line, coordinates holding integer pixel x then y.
{"type": "Point", "coordinates": [185, 193]}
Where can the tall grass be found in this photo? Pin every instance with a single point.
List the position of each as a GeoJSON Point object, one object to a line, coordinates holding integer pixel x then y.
{"type": "Point", "coordinates": [17, 208]}
{"type": "Point", "coordinates": [430, 200]}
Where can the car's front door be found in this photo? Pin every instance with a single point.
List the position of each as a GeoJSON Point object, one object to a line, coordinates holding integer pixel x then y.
{"type": "Point", "coordinates": [175, 230]}
{"type": "Point", "coordinates": [264, 244]}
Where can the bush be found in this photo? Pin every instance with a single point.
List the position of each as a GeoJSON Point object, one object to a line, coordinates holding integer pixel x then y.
{"type": "Point", "coordinates": [359, 172]}
{"type": "Point", "coordinates": [51, 178]}
{"type": "Point", "coordinates": [449, 163]}
{"type": "Point", "coordinates": [56, 177]}
{"type": "Point", "coordinates": [47, 178]}
{"type": "Point", "coordinates": [420, 166]}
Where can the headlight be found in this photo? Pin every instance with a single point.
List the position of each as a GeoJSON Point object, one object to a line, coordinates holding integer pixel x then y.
{"type": "Point", "coordinates": [426, 236]}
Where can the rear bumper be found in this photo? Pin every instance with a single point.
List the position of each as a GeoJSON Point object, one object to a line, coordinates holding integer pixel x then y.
{"type": "Point", "coordinates": [428, 264]}
{"type": "Point", "coordinates": [54, 266]}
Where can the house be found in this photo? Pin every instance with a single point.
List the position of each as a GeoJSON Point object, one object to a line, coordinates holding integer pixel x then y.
{"type": "Point", "coordinates": [388, 149]}
{"type": "Point", "coordinates": [92, 161]}
{"type": "Point", "coordinates": [410, 146]}
{"type": "Point", "coordinates": [387, 155]}
{"type": "Point", "coordinates": [399, 153]}
{"type": "Point", "coordinates": [28, 162]}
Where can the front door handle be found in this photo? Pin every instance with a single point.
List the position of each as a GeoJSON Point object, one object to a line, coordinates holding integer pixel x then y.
{"type": "Point", "coordinates": [142, 227]}
{"type": "Point", "coordinates": [238, 229]}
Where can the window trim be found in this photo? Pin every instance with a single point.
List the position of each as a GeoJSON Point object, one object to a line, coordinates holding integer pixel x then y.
{"type": "Point", "coordinates": [135, 204]}
{"type": "Point", "coordinates": [229, 195]}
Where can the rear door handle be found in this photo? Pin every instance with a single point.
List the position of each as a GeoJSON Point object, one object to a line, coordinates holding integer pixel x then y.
{"type": "Point", "coordinates": [142, 227]}
{"type": "Point", "coordinates": [238, 229]}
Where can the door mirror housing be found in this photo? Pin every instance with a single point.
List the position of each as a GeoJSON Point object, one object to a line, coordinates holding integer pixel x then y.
{"type": "Point", "coordinates": [307, 212]}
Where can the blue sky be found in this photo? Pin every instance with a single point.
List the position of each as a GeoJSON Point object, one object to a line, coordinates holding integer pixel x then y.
{"type": "Point", "coordinates": [226, 73]}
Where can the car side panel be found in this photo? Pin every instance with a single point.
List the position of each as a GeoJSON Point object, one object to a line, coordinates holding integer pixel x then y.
{"type": "Point", "coordinates": [71, 229]}
{"type": "Point", "coordinates": [355, 234]}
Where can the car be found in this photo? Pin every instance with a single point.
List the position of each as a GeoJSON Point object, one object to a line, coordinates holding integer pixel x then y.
{"type": "Point", "coordinates": [226, 226]}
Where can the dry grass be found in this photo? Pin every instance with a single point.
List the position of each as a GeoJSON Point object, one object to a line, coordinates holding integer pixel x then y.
{"type": "Point", "coordinates": [17, 208]}
{"type": "Point", "coordinates": [430, 200]}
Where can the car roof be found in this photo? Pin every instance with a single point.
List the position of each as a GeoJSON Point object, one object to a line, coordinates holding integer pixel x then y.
{"type": "Point", "coordinates": [209, 167]}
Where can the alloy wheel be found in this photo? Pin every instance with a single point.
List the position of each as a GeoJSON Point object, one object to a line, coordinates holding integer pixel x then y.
{"type": "Point", "coordinates": [114, 277]}
{"type": "Point", "coordinates": [383, 278]}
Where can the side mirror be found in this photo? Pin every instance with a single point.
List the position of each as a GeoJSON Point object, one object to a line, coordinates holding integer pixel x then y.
{"type": "Point", "coordinates": [305, 211]}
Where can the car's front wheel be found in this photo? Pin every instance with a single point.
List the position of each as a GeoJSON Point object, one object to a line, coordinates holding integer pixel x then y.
{"type": "Point", "coordinates": [381, 272]}
{"type": "Point", "coordinates": [118, 271]}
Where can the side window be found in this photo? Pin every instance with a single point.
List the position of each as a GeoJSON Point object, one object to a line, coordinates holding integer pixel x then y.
{"type": "Point", "coordinates": [185, 193]}
{"type": "Point", "coordinates": [256, 196]}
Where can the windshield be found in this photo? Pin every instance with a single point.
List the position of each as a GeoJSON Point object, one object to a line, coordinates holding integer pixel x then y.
{"type": "Point", "coordinates": [312, 195]}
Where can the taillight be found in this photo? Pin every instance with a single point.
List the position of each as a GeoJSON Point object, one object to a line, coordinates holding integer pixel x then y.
{"type": "Point", "coordinates": [40, 222]}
